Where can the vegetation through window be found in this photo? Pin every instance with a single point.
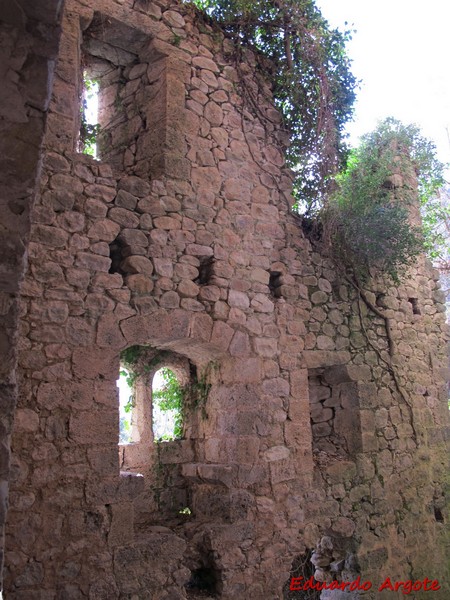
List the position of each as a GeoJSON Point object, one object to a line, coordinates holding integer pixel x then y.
{"type": "Point", "coordinates": [89, 127]}
{"type": "Point", "coordinates": [167, 395]}
{"type": "Point", "coordinates": [125, 384]}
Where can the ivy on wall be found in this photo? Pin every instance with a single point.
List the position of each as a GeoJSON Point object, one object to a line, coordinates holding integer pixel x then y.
{"type": "Point", "coordinates": [314, 89]}
{"type": "Point", "coordinates": [311, 81]}
{"type": "Point", "coordinates": [366, 221]}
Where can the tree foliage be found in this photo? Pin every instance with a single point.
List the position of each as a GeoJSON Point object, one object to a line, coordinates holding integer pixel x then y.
{"type": "Point", "coordinates": [169, 397]}
{"type": "Point", "coordinates": [311, 80]}
{"type": "Point", "coordinates": [368, 223]}
{"type": "Point", "coordinates": [89, 131]}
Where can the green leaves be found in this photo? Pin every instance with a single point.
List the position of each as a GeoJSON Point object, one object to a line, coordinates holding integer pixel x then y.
{"type": "Point", "coordinates": [89, 131]}
{"type": "Point", "coordinates": [311, 81]}
{"type": "Point", "coordinates": [368, 219]}
{"type": "Point", "coordinates": [170, 397]}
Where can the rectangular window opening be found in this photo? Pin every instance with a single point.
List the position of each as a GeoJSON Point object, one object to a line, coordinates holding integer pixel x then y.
{"type": "Point", "coordinates": [89, 120]}
{"type": "Point", "coordinates": [415, 305]}
{"type": "Point", "coordinates": [126, 405]}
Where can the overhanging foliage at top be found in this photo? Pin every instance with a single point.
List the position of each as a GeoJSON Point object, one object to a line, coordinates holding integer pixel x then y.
{"type": "Point", "coordinates": [368, 220]}
{"type": "Point", "coordinates": [311, 80]}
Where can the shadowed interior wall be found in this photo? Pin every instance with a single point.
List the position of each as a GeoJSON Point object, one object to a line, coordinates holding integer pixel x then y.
{"type": "Point", "coordinates": [181, 240]}
{"type": "Point", "coordinates": [29, 34]}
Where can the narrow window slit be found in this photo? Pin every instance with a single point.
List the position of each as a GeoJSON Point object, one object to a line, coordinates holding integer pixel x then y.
{"type": "Point", "coordinates": [205, 271]}
{"type": "Point", "coordinates": [275, 283]}
{"type": "Point", "coordinates": [415, 306]}
{"type": "Point", "coordinates": [116, 254]}
{"type": "Point", "coordinates": [89, 127]}
{"type": "Point", "coordinates": [438, 515]}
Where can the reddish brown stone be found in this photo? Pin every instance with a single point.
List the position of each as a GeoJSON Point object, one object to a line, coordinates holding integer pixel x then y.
{"type": "Point", "coordinates": [139, 283]}
{"type": "Point", "coordinates": [137, 264]}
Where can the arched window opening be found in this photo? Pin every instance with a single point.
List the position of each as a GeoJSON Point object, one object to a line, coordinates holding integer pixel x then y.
{"type": "Point", "coordinates": [167, 396]}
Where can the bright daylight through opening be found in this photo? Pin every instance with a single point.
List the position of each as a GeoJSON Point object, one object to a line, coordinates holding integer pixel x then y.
{"type": "Point", "coordinates": [89, 127]}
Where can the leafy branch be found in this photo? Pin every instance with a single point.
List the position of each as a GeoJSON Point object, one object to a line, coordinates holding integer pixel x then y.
{"type": "Point", "coordinates": [311, 81]}
{"type": "Point", "coordinates": [170, 398]}
{"type": "Point", "coordinates": [369, 220]}
{"type": "Point", "coordinates": [89, 132]}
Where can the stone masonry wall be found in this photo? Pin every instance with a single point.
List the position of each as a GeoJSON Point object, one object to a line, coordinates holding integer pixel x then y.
{"type": "Point", "coordinates": [29, 41]}
{"type": "Point", "coordinates": [180, 240]}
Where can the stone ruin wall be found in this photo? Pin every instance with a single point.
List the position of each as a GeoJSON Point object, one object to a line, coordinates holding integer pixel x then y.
{"type": "Point", "coordinates": [182, 242]}
{"type": "Point", "coordinates": [28, 48]}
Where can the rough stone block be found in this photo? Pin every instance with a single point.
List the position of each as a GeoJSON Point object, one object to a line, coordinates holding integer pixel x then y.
{"type": "Point", "coordinates": [201, 328]}
{"type": "Point", "coordinates": [95, 426]}
{"type": "Point", "coordinates": [281, 470]}
{"type": "Point", "coordinates": [242, 370]}
{"type": "Point", "coordinates": [109, 334]}
{"type": "Point", "coordinates": [221, 335]}
{"type": "Point", "coordinates": [122, 524]}
{"type": "Point", "coordinates": [238, 299]}
{"type": "Point", "coordinates": [139, 283]}
{"type": "Point", "coordinates": [26, 421]}
{"type": "Point", "coordinates": [93, 262]}
{"type": "Point", "coordinates": [137, 264]}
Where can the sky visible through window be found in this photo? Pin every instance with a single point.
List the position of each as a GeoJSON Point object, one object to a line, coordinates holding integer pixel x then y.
{"type": "Point", "coordinates": [90, 110]}
{"type": "Point", "coordinates": [400, 52]}
{"type": "Point", "coordinates": [163, 421]}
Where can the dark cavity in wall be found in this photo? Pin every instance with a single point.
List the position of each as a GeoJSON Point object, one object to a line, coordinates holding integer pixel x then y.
{"type": "Point", "coordinates": [204, 579]}
{"type": "Point", "coordinates": [301, 567]}
{"type": "Point", "coordinates": [415, 306]}
{"type": "Point", "coordinates": [438, 515]}
{"type": "Point", "coordinates": [205, 271]}
{"type": "Point", "coordinates": [275, 283]}
{"type": "Point", "coordinates": [116, 255]}
{"type": "Point", "coordinates": [334, 407]}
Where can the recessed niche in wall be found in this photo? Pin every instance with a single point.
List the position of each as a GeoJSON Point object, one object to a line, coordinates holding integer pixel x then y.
{"type": "Point", "coordinates": [275, 283]}
{"type": "Point", "coordinates": [205, 271]}
{"type": "Point", "coordinates": [110, 49]}
{"type": "Point", "coordinates": [334, 406]}
{"type": "Point", "coordinates": [415, 305]}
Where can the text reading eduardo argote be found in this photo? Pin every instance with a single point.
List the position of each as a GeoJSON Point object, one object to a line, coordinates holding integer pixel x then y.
{"type": "Point", "coordinates": [406, 587]}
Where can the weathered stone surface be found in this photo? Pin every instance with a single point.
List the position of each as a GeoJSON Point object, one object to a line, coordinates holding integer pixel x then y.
{"type": "Point", "coordinates": [135, 186]}
{"type": "Point", "coordinates": [164, 267]}
{"type": "Point", "coordinates": [188, 289]}
{"type": "Point", "coordinates": [26, 420]}
{"type": "Point", "coordinates": [109, 334]}
{"type": "Point", "coordinates": [104, 229]}
{"type": "Point", "coordinates": [238, 299]}
{"type": "Point", "coordinates": [101, 192]}
{"type": "Point", "coordinates": [139, 283]}
{"type": "Point", "coordinates": [178, 246]}
{"type": "Point", "coordinates": [132, 237]}
{"type": "Point", "coordinates": [92, 262]}
{"type": "Point", "coordinates": [137, 264]}
{"type": "Point", "coordinates": [124, 217]}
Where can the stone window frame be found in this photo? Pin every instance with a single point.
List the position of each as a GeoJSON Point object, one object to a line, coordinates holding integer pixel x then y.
{"type": "Point", "coordinates": [102, 44]}
{"type": "Point", "coordinates": [139, 456]}
{"type": "Point", "coordinates": [160, 147]}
